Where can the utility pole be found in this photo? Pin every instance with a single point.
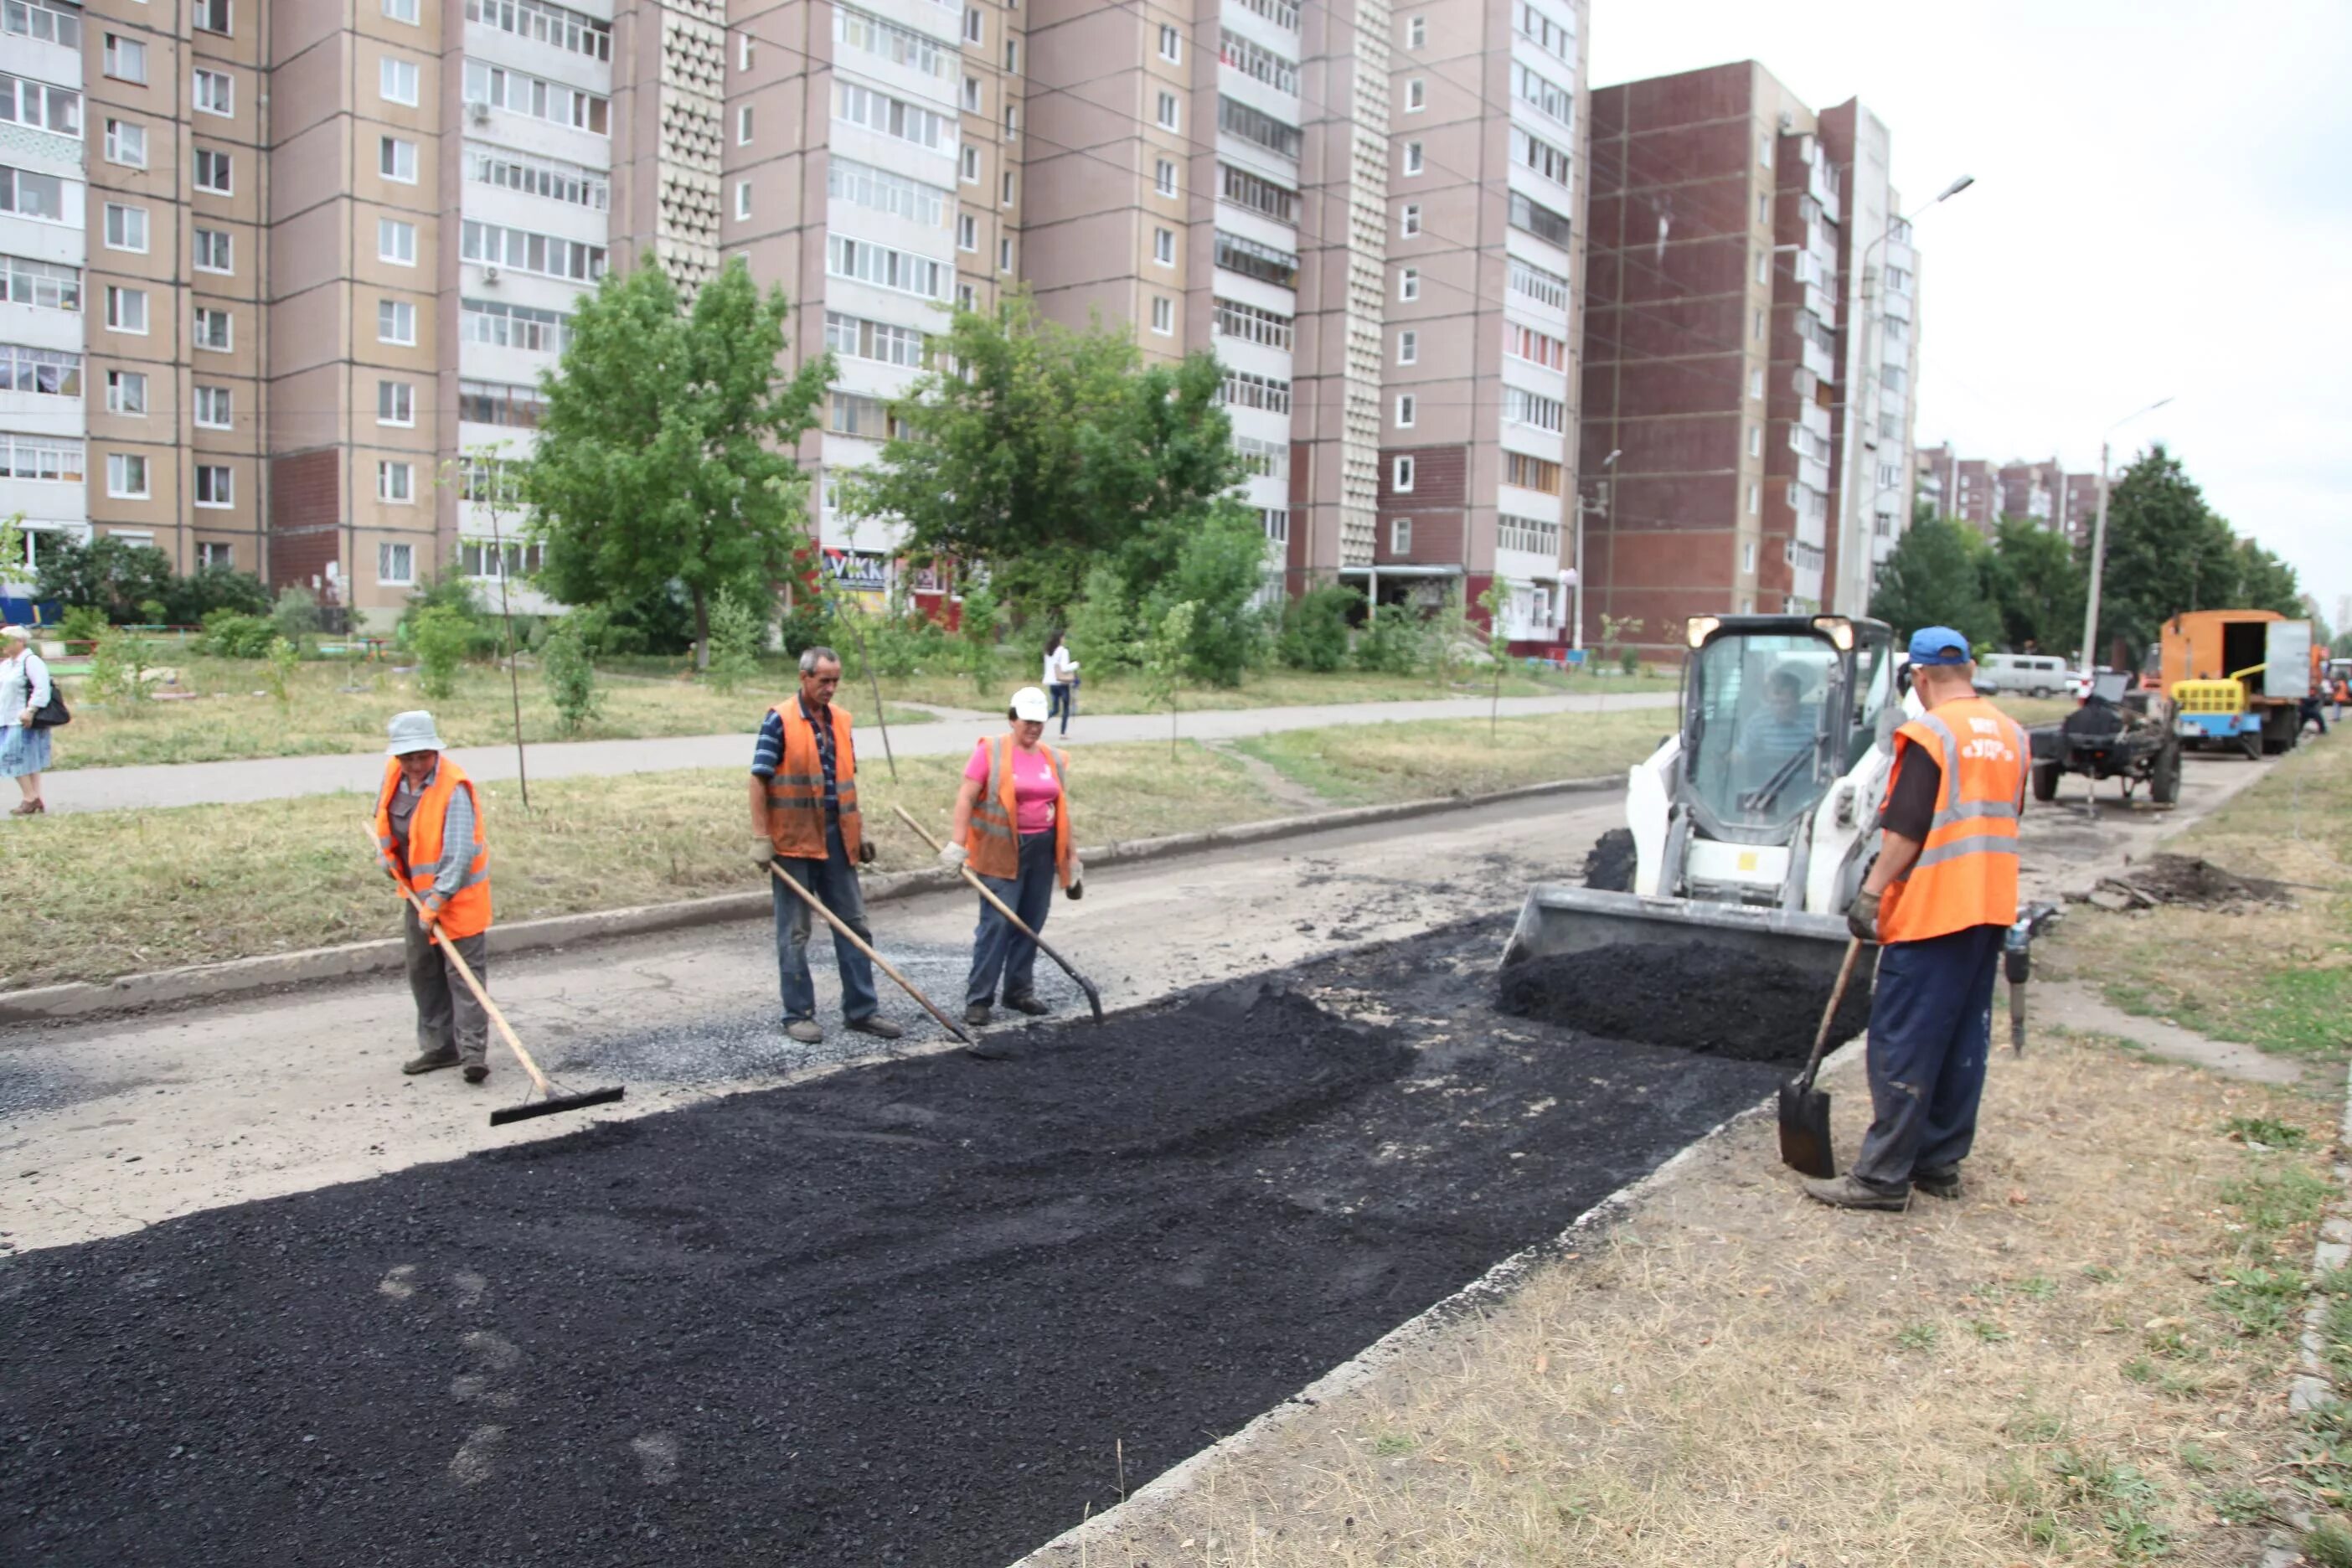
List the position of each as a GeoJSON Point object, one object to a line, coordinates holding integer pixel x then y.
{"type": "Point", "coordinates": [2099, 546]}
{"type": "Point", "coordinates": [1609, 495]}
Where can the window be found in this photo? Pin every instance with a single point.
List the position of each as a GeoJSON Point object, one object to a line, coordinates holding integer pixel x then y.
{"type": "Point", "coordinates": [395, 403]}
{"type": "Point", "coordinates": [396, 159]}
{"type": "Point", "coordinates": [881, 190]}
{"type": "Point", "coordinates": [125, 59]}
{"type": "Point", "coordinates": [126, 228]}
{"type": "Point", "coordinates": [742, 200]}
{"type": "Point", "coordinates": [1163, 177]}
{"type": "Point", "coordinates": [1757, 330]}
{"type": "Point", "coordinates": [212, 15]}
{"type": "Point", "coordinates": [966, 300]}
{"type": "Point", "coordinates": [967, 232]}
{"type": "Point", "coordinates": [1533, 151]}
{"type": "Point", "coordinates": [212, 171]}
{"type": "Point", "coordinates": [212, 409]}
{"type": "Point", "coordinates": [397, 79]}
{"type": "Point", "coordinates": [971, 165]}
{"type": "Point", "coordinates": [1408, 283]}
{"type": "Point", "coordinates": [1400, 474]}
{"type": "Point", "coordinates": [1236, 119]}
{"type": "Point", "coordinates": [1764, 149]}
{"type": "Point", "coordinates": [1255, 60]}
{"type": "Point", "coordinates": [1536, 284]}
{"type": "Point", "coordinates": [1242, 390]}
{"type": "Point", "coordinates": [29, 195]}
{"type": "Point", "coordinates": [972, 95]}
{"type": "Point", "coordinates": [46, 457]}
{"type": "Point", "coordinates": [394, 482]}
{"type": "Point", "coordinates": [126, 476]}
{"type": "Point", "coordinates": [899, 45]}
{"type": "Point", "coordinates": [46, 108]}
{"type": "Point", "coordinates": [214, 251]}
{"type": "Point", "coordinates": [1531, 473]}
{"type": "Point", "coordinates": [1414, 160]}
{"type": "Point", "coordinates": [855, 338]}
{"type": "Point", "coordinates": [551, 256]}
{"type": "Point", "coordinates": [1763, 206]}
{"type": "Point", "coordinates": [487, 558]}
{"type": "Point", "coordinates": [1416, 94]}
{"type": "Point", "coordinates": [1251, 260]}
{"type": "Point", "coordinates": [975, 30]}
{"type": "Point", "coordinates": [495, 86]}
{"type": "Point", "coordinates": [743, 52]}
{"type": "Point", "coordinates": [853, 413]}
{"type": "Point", "coordinates": [395, 563]}
{"type": "Point", "coordinates": [888, 269]}
{"type": "Point", "coordinates": [47, 373]}
{"type": "Point", "coordinates": [216, 485]}
{"type": "Point", "coordinates": [1168, 118]}
{"type": "Point", "coordinates": [39, 21]}
{"type": "Point", "coordinates": [1756, 385]}
{"type": "Point", "coordinates": [396, 322]}
{"type": "Point", "coordinates": [395, 241]}
{"type": "Point", "coordinates": [216, 330]}
{"type": "Point", "coordinates": [1756, 440]}
{"type": "Point", "coordinates": [1407, 406]}
{"type": "Point", "coordinates": [535, 19]}
{"type": "Point", "coordinates": [126, 308]}
{"type": "Point", "coordinates": [880, 112]}
{"type": "Point", "coordinates": [1277, 522]}
{"type": "Point", "coordinates": [1755, 499]}
{"type": "Point", "coordinates": [1521, 406]}
{"type": "Point", "coordinates": [1417, 32]}
{"type": "Point", "coordinates": [1554, 38]}
{"type": "Point", "coordinates": [1012, 56]}
{"type": "Point", "coordinates": [1400, 536]}
{"type": "Point", "coordinates": [1550, 98]}
{"type": "Point", "coordinates": [1163, 315]}
{"type": "Point", "coordinates": [216, 555]}
{"type": "Point", "coordinates": [1267, 459]}
{"type": "Point", "coordinates": [126, 143]}
{"type": "Point", "coordinates": [1163, 247]}
{"type": "Point", "coordinates": [45, 285]}
{"type": "Point", "coordinates": [1535, 347]}
{"type": "Point", "coordinates": [1252, 325]}
{"type": "Point", "coordinates": [1408, 347]}
{"type": "Point", "coordinates": [1748, 555]}
{"type": "Point", "coordinates": [1012, 121]}
{"type": "Point", "coordinates": [1535, 535]}
{"type": "Point", "coordinates": [512, 326]}
{"type": "Point", "coordinates": [400, 11]}
{"type": "Point", "coordinates": [1244, 189]}
{"type": "Point", "coordinates": [1004, 255]}
{"type": "Point", "coordinates": [1005, 188]}
{"type": "Point", "coordinates": [743, 126]}
{"type": "Point", "coordinates": [1172, 43]}
{"type": "Point", "coordinates": [1763, 266]}
{"type": "Point", "coordinates": [1409, 220]}
{"type": "Point", "coordinates": [215, 92]}
{"type": "Point", "coordinates": [1546, 224]}
{"type": "Point", "coordinates": [537, 176]}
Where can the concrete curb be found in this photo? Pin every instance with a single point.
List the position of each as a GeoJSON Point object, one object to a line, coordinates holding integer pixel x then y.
{"type": "Point", "coordinates": [2315, 1386]}
{"type": "Point", "coordinates": [212, 982]}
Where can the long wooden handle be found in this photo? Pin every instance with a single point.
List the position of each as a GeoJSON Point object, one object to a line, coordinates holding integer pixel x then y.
{"type": "Point", "coordinates": [978, 886]}
{"type": "Point", "coordinates": [862, 945]}
{"type": "Point", "coordinates": [466, 973]}
{"type": "Point", "coordinates": [1829, 1013]}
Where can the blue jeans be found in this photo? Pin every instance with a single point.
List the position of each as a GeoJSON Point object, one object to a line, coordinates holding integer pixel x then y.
{"type": "Point", "coordinates": [1062, 698]}
{"type": "Point", "coordinates": [996, 947]}
{"type": "Point", "coordinates": [835, 883]}
{"type": "Point", "coordinates": [1930, 1030]}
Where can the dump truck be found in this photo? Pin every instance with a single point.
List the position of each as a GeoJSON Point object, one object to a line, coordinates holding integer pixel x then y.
{"type": "Point", "coordinates": [2237, 679]}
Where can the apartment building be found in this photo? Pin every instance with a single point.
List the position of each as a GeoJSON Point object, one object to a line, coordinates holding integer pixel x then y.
{"type": "Point", "coordinates": [2030, 490]}
{"type": "Point", "coordinates": [2078, 506]}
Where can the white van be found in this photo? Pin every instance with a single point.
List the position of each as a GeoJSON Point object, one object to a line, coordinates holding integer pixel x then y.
{"type": "Point", "coordinates": [2037, 675]}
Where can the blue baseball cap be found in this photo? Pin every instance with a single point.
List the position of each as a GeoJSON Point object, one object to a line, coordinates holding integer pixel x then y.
{"type": "Point", "coordinates": [1939, 644]}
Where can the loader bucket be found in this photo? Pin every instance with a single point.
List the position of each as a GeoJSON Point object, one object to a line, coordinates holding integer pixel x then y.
{"type": "Point", "coordinates": [1558, 918]}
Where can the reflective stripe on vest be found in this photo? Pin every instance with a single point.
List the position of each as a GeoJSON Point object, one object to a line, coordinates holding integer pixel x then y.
{"type": "Point", "coordinates": [995, 845]}
{"type": "Point", "coordinates": [466, 911]}
{"type": "Point", "coordinates": [1966, 874]}
{"type": "Point", "coordinates": [796, 815]}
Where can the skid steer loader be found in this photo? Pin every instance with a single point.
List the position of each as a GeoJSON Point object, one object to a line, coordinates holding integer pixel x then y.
{"type": "Point", "coordinates": [1751, 826]}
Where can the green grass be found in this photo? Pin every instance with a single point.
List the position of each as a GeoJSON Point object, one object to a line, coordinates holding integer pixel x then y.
{"type": "Point", "coordinates": [1918, 1337]}
{"type": "Point", "coordinates": [2267, 1130]}
{"type": "Point", "coordinates": [1364, 764]}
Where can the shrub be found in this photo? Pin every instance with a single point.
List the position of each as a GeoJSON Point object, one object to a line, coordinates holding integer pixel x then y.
{"type": "Point", "coordinates": [1104, 631]}
{"type": "Point", "coordinates": [82, 623]}
{"type": "Point", "coordinates": [1314, 634]}
{"type": "Point", "coordinates": [193, 599]}
{"type": "Point", "coordinates": [232, 634]}
{"type": "Point", "coordinates": [1391, 642]}
{"type": "Point", "coordinates": [441, 637]}
{"type": "Point", "coordinates": [570, 677]}
{"type": "Point", "coordinates": [976, 631]}
{"type": "Point", "coordinates": [904, 641]}
{"type": "Point", "coordinates": [295, 615]}
{"type": "Point", "coordinates": [1630, 661]}
{"type": "Point", "coordinates": [280, 675]}
{"type": "Point", "coordinates": [737, 630]}
{"type": "Point", "coordinates": [117, 667]}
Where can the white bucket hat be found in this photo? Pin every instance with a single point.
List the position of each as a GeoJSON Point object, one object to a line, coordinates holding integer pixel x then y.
{"type": "Point", "coordinates": [413, 733]}
{"type": "Point", "coordinates": [1030, 703]}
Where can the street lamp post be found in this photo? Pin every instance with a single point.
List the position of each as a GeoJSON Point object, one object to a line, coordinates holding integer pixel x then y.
{"type": "Point", "coordinates": [2099, 545]}
{"type": "Point", "coordinates": [1609, 490]}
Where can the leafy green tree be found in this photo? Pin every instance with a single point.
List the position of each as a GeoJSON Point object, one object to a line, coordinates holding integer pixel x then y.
{"type": "Point", "coordinates": [1315, 627]}
{"type": "Point", "coordinates": [1936, 577]}
{"type": "Point", "coordinates": [1103, 630]}
{"type": "Point", "coordinates": [1166, 654]}
{"type": "Point", "coordinates": [978, 626]}
{"type": "Point", "coordinates": [570, 677]}
{"type": "Point", "coordinates": [2266, 583]}
{"type": "Point", "coordinates": [2166, 552]}
{"type": "Point", "coordinates": [441, 637]}
{"type": "Point", "coordinates": [664, 450]}
{"type": "Point", "coordinates": [278, 674]}
{"type": "Point", "coordinates": [1494, 600]}
{"type": "Point", "coordinates": [737, 630]}
{"type": "Point", "coordinates": [1218, 568]}
{"type": "Point", "coordinates": [2036, 586]}
{"type": "Point", "coordinates": [109, 573]}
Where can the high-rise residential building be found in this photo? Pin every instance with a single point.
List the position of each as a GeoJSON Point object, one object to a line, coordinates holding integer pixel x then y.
{"type": "Point", "coordinates": [1720, 339]}
{"type": "Point", "coordinates": [2078, 506]}
{"type": "Point", "coordinates": [2030, 490]}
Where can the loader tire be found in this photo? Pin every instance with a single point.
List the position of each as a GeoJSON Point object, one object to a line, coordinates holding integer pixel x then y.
{"type": "Point", "coordinates": [2164, 776]}
{"type": "Point", "coordinates": [1611, 865]}
{"type": "Point", "coordinates": [2045, 782]}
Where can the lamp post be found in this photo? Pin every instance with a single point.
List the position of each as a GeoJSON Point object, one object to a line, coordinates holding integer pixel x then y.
{"type": "Point", "coordinates": [1609, 490]}
{"type": "Point", "coordinates": [2099, 545]}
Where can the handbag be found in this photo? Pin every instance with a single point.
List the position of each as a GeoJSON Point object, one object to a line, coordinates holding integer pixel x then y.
{"type": "Point", "coordinates": [53, 713]}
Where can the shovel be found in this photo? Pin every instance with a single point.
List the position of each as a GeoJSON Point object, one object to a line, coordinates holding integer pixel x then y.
{"type": "Point", "coordinates": [1804, 1110]}
{"type": "Point", "coordinates": [1094, 997]}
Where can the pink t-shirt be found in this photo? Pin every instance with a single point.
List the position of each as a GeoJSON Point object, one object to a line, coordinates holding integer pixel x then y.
{"type": "Point", "coordinates": [1035, 787]}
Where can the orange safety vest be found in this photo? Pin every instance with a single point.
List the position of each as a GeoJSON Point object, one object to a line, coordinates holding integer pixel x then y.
{"type": "Point", "coordinates": [466, 911]}
{"type": "Point", "coordinates": [995, 846]}
{"type": "Point", "coordinates": [1967, 871]}
{"type": "Point", "coordinates": [796, 794]}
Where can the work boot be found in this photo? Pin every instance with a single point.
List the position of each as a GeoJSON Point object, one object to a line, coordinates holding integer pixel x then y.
{"type": "Point", "coordinates": [1853, 1192]}
{"type": "Point", "coordinates": [805, 1030]}
{"type": "Point", "coordinates": [1028, 1004]}
{"type": "Point", "coordinates": [430, 1061]}
{"type": "Point", "coordinates": [977, 1014]}
{"type": "Point", "coordinates": [477, 1072]}
{"type": "Point", "coordinates": [1943, 1181]}
{"type": "Point", "coordinates": [881, 1028]}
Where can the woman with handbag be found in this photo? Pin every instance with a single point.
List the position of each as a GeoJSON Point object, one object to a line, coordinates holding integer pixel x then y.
{"type": "Point", "coordinates": [25, 689]}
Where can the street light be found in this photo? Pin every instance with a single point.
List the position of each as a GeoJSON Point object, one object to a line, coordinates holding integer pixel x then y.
{"type": "Point", "coordinates": [2099, 546]}
{"type": "Point", "coordinates": [1609, 484]}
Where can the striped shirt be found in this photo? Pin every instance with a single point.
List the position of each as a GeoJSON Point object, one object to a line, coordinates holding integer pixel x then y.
{"type": "Point", "coordinates": [768, 752]}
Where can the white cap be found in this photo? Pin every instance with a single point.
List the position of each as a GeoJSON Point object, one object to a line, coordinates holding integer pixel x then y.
{"type": "Point", "coordinates": [413, 733]}
{"type": "Point", "coordinates": [1030, 703]}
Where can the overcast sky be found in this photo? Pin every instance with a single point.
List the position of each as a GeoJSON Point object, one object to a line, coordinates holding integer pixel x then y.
{"type": "Point", "coordinates": [2163, 205]}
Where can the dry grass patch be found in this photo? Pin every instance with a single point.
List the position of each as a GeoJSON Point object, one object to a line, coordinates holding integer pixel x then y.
{"type": "Point", "coordinates": [2031, 711]}
{"type": "Point", "coordinates": [2080, 1362]}
{"type": "Point", "coordinates": [1361, 763]}
{"type": "Point", "coordinates": [105, 893]}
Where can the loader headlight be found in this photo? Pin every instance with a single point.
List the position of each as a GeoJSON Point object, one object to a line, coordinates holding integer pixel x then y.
{"type": "Point", "coordinates": [1838, 629]}
{"type": "Point", "coordinates": [1698, 628]}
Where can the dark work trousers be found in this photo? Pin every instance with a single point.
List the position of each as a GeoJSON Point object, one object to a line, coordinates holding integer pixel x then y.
{"type": "Point", "coordinates": [448, 1018]}
{"type": "Point", "coordinates": [835, 883]}
{"type": "Point", "coordinates": [996, 947]}
{"type": "Point", "coordinates": [1062, 698]}
{"type": "Point", "coordinates": [1930, 1030]}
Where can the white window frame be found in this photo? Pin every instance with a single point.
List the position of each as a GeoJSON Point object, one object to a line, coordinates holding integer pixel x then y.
{"type": "Point", "coordinates": [1004, 185]}
{"type": "Point", "coordinates": [1172, 43]}
{"type": "Point", "coordinates": [227, 85]}
{"type": "Point", "coordinates": [1408, 349]}
{"type": "Point", "coordinates": [1408, 406]}
{"type": "Point", "coordinates": [227, 319]}
{"type": "Point", "coordinates": [1415, 158]}
{"type": "Point", "coordinates": [968, 233]}
{"type": "Point", "coordinates": [1172, 113]}
{"type": "Point", "coordinates": [394, 398]}
{"type": "Point", "coordinates": [396, 145]}
{"type": "Point", "coordinates": [1756, 385]}
{"type": "Point", "coordinates": [742, 200]}
{"type": "Point", "coordinates": [229, 251]}
{"type": "Point", "coordinates": [402, 11]}
{"type": "Point", "coordinates": [200, 14]}
{"type": "Point", "coordinates": [743, 51]}
{"type": "Point", "coordinates": [1755, 499]}
{"type": "Point", "coordinates": [1416, 94]}
{"type": "Point", "coordinates": [394, 476]}
{"type": "Point", "coordinates": [1004, 253]}
{"type": "Point", "coordinates": [400, 309]}
{"type": "Point", "coordinates": [132, 218]}
{"type": "Point", "coordinates": [220, 164]}
{"type": "Point", "coordinates": [1402, 474]}
{"type": "Point", "coordinates": [119, 383]}
{"type": "Point", "coordinates": [1164, 178]}
{"type": "Point", "coordinates": [389, 229]}
{"type": "Point", "coordinates": [975, 28]}
{"type": "Point", "coordinates": [1163, 315]}
{"type": "Point", "coordinates": [1408, 284]}
{"type": "Point", "coordinates": [743, 125]}
{"type": "Point", "coordinates": [1399, 536]}
{"type": "Point", "coordinates": [1409, 220]}
{"type": "Point", "coordinates": [1756, 440]}
{"type": "Point", "coordinates": [224, 495]}
{"type": "Point", "coordinates": [971, 156]}
{"type": "Point", "coordinates": [121, 137]}
{"type": "Point", "coordinates": [118, 476]}
{"type": "Point", "coordinates": [205, 397]}
{"type": "Point", "coordinates": [121, 55]}
{"type": "Point", "coordinates": [1417, 32]}
{"type": "Point", "coordinates": [389, 72]}
{"type": "Point", "coordinates": [970, 94]}
{"type": "Point", "coordinates": [216, 555]}
{"type": "Point", "coordinates": [388, 551]}
{"type": "Point", "coordinates": [1163, 247]}
{"type": "Point", "coordinates": [118, 297]}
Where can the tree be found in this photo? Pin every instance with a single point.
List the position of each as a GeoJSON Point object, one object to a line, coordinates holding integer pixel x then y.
{"type": "Point", "coordinates": [1218, 568]}
{"type": "Point", "coordinates": [664, 450]}
{"type": "Point", "coordinates": [2036, 586]}
{"type": "Point", "coordinates": [1494, 600]}
{"type": "Point", "coordinates": [2266, 583]}
{"type": "Point", "coordinates": [2166, 552]}
{"type": "Point", "coordinates": [1936, 577]}
{"type": "Point", "coordinates": [1164, 656]}
{"type": "Point", "coordinates": [111, 573]}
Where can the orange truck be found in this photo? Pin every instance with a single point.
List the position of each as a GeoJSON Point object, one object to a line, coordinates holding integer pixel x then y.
{"type": "Point", "coordinates": [2238, 678]}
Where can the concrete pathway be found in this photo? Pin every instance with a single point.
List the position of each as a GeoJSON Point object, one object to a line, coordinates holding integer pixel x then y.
{"type": "Point", "coordinates": [279, 778]}
{"type": "Point", "coordinates": [2074, 1007]}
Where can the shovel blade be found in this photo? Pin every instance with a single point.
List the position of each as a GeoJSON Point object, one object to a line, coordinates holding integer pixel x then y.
{"type": "Point", "coordinates": [1805, 1131]}
{"type": "Point", "coordinates": [554, 1104]}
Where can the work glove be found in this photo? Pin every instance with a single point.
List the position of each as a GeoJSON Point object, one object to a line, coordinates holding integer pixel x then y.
{"type": "Point", "coordinates": [764, 850]}
{"type": "Point", "coordinates": [866, 852]}
{"type": "Point", "coordinates": [1077, 889]}
{"type": "Point", "coordinates": [954, 856]}
{"type": "Point", "coordinates": [1862, 919]}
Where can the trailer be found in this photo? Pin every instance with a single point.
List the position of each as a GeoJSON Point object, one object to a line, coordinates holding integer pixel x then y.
{"type": "Point", "coordinates": [2237, 679]}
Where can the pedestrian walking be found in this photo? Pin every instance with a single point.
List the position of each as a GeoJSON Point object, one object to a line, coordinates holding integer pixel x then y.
{"type": "Point", "coordinates": [25, 689]}
{"type": "Point", "coordinates": [2343, 695]}
{"type": "Point", "coordinates": [1061, 680]}
{"type": "Point", "coordinates": [430, 837]}
{"type": "Point", "coordinates": [1939, 899]}
{"type": "Point", "coordinates": [804, 819]}
{"type": "Point", "coordinates": [1012, 825]}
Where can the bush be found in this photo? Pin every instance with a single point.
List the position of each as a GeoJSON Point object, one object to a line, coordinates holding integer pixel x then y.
{"type": "Point", "coordinates": [122, 579]}
{"type": "Point", "coordinates": [118, 668]}
{"type": "Point", "coordinates": [1220, 568]}
{"type": "Point", "coordinates": [976, 631]}
{"type": "Point", "coordinates": [1314, 634]}
{"type": "Point", "coordinates": [452, 593]}
{"type": "Point", "coordinates": [284, 656]}
{"type": "Point", "coordinates": [1105, 633]}
{"type": "Point", "coordinates": [232, 634]}
{"type": "Point", "coordinates": [1630, 661]}
{"type": "Point", "coordinates": [736, 632]}
{"type": "Point", "coordinates": [1393, 641]}
{"type": "Point", "coordinates": [82, 623]}
{"type": "Point", "coordinates": [570, 676]}
{"type": "Point", "coordinates": [295, 615]}
{"type": "Point", "coordinates": [905, 641]}
{"type": "Point", "coordinates": [194, 600]}
{"type": "Point", "coordinates": [441, 637]}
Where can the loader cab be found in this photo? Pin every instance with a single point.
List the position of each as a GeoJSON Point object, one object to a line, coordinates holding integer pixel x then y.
{"type": "Point", "coordinates": [1776, 709]}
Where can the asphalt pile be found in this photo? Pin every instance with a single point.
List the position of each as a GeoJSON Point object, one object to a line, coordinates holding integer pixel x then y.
{"type": "Point", "coordinates": [2189, 881]}
{"type": "Point", "coordinates": [923, 1312]}
{"type": "Point", "coordinates": [1717, 1000]}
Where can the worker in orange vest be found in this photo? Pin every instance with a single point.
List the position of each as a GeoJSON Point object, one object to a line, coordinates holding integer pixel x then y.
{"type": "Point", "coordinates": [2343, 695]}
{"type": "Point", "coordinates": [804, 818]}
{"type": "Point", "coordinates": [1940, 898]}
{"type": "Point", "coordinates": [430, 837]}
{"type": "Point", "coordinates": [1013, 828]}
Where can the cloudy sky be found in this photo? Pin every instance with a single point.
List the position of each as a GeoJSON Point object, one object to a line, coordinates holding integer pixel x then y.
{"type": "Point", "coordinates": [2163, 207]}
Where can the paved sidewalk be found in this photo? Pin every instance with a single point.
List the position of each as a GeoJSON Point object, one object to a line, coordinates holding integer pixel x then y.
{"type": "Point", "coordinates": [279, 778]}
